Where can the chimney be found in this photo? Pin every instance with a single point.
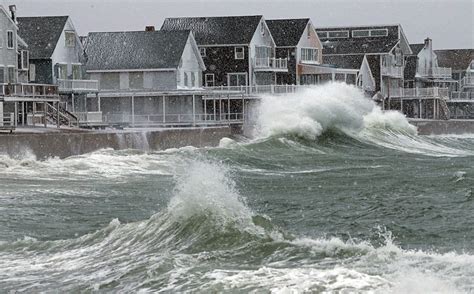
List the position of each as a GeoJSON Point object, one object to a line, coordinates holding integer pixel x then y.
{"type": "Point", "coordinates": [428, 44]}
{"type": "Point", "coordinates": [149, 28]}
{"type": "Point", "coordinates": [12, 9]}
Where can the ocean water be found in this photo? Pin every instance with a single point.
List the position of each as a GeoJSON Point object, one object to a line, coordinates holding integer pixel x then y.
{"type": "Point", "coordinates": [329, 195]}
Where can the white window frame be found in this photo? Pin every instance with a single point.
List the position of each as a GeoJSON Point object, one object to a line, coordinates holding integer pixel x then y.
{"type": "Point", "coordinates": [32, 72]}
{"type": "Point", "coordinates": [22, 58]}
{"type": "Point", "coordinates": [8, 74]}
{"type": "Point", "coordinates": [346, 32]}
{"type": "Point", "coordinates": [207, 80]}
{"type": "Point", "coordinates": [186, 80]}
{"type": "Point", "coordinates": [315, 55]}
{"type": "Point", "coordinates": [262, 28]}
{"type": "Point", "coordinates": [13, 40]}
{"type": "Point", "coordinates": [384, 35]}
{"type": "Point", "coordinates": [193, 79]}
{"type": "Point", "coordinates": [322, 37]}
{"type": "Point", "coordinates": [237, 55]}
{"type": "Point", "coordinates": [368, 33]}
{"type": "Point", "coordinates": [202, 51]}
{"type": "Point", "coordinates": [69, 45]}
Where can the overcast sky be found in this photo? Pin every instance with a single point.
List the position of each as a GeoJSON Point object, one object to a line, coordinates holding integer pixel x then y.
{"type": "Point", "coordinates": [450, 23]}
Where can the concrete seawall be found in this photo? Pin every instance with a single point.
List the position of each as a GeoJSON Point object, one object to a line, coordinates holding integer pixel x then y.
{"type": "Point", "coordinates": [64, 144]}
{"type": "Point", "coordinates": [440, 127]}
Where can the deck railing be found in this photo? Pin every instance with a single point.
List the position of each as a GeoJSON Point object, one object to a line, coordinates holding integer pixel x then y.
{"type": "Point", "coordinates": [172, 119]}
{"type": "Point", "coordinates": [29, 90]}
{"type": "Point", "coordinates": [7, 120]}
{"type": "Point", "coordinates": [461, 95]}
{"type": "Point", "coordinates": [467, 81]}
{"type": "Point", "coordinates": [420, 92]}
{"type": "Point", "coordinates": [260, 89]}
{"type": "Point", "coordinates": [89, 117]}
{"type": "Point", "coordinates": [438, 72]}
{"type": "Point", "coordinates": [78, 85]}
{"type": "Point", "coordinates": [271, 63]}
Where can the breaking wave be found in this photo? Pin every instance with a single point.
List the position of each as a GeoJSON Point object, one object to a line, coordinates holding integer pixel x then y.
{"type": "Point", "coordinates": [208, 239]}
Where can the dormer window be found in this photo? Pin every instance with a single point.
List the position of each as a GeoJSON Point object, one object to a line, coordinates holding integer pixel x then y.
{"type": "Point", "coordinates": [70, 38]}
{"type": "Point", "coordinates": [10, 43]}
{"type": "Point", "coordinates": [239, 52]}
{"type": "Point", "coordinates": [202, 50]}
{"type": "Point", "coordinates": [338, 34]}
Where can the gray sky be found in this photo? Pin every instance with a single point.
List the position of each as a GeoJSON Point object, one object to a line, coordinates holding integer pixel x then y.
{"type": "Point", "coordinates": [450, 23]}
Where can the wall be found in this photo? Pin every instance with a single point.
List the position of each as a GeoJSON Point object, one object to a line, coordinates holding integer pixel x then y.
{"type": "Point", "coordinates": [8, 57]}
{"type": "Point", "coordinates": [43, 72]}
{"type": "Point", "coordinates": [259, 39]}
{"type": "Point", "coordinates": [439, 127]}
{"type": "Point", "coordinates": [44, 145]}
{"type": "Point", "coordinates": [311, 42]}
{"type": "Point", "coordinates": [220, 60]}
{"type": "Point", "coordinates": [190, 63]}
{"type": "Point", "coordinates": [68, 55]}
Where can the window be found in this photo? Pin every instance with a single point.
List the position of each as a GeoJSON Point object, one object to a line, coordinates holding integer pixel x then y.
{"type": "Point", "coordinates": [193, 79]}
{"type": "Point", "coordinates": [32, 72]}
{"type": "Point", "coordinates": [239, 52]}
{"type": "Point", "coordinates": [135, 80]}
{"type": "Point", "coordinates": [10, 43]}
{"type": "Point", "coordinates": [379, 33]}
{"type": "Point", "coordinates": [61, 71]}
{"type": "Point", "coordinates": [309, 55]}
{"type": "Point", "coordinates": [11, 74]}
{"type": "Point", "coordinates": [76, 72]}
{"type": "Point", "coordinates": [360, 33]}
{"type": "Point", "coordinates": [210, 80]}
{"type": "Point", "coordinates": [25, 62]}
{"type": "Point", "coordinates": [338, 34]}
{"type": "Point", "coordinates": [262, 29]}
{"type": "Point", "coordinates": [185, 79]}
{"type": "Point", "coordinates": [308, 29]}
{"type": "Point", "coordinates": [70, 38]}
{"type": "Point", "coordinates": [2, 75]}
{"type": "Point", "coordinates": [322, 35]}
{"type": "Point", "coordinates": [202, 50]}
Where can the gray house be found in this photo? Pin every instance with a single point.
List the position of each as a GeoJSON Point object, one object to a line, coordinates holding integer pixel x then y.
{"type": "Point", "coordinates": [137, 69]}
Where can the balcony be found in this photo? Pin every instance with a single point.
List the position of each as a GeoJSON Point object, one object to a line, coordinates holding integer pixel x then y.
{"type": "Point", "coordinates": [271, 64]}
{"type": "Point", "coordinates": [467, 82]}
{"type": "Point", "coordinates": [24, 92]}
{"type": "Point", "coordinates": [438, 73]}
{"type": "Point", "coordinates": [462, 95]}
{"type": "Point", "coordinates": [392, 71]}
{"type": "Point", "coordinates": [78, 86]}
{"type": "Point", "coordinates": [419, 92]}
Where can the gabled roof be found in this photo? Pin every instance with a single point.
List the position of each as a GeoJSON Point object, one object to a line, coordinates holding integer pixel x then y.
{"type": "Point", "coordinates": [224, 30]}
{"type": "Point", "coordinates": [457, 59]}
{"type": "Point", "coordinates": [344, 61]}
{"type": "Point", "coordinates": [360, 45]}
{"type": "Point", "coordinates": [135, 50]}
{"type": "Point", "coordinates": [416, 48]}
{"type": "Point", "coordinates": [287, 32]}
{"type": "Point", "coordinates": [41, 34]}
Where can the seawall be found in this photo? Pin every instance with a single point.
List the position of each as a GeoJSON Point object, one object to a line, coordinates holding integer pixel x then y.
{"type": "Point", "coordinates": [443, 127]}
{"type": "Point", "coordinates": [65, 144]}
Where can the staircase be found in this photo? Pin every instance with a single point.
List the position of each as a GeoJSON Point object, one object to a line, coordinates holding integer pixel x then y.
{"type": "Point", "coordinates": [65, 117]}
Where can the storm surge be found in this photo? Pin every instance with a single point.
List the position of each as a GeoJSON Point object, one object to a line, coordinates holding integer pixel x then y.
{"type": "Point", "coordinates": [338, 108]}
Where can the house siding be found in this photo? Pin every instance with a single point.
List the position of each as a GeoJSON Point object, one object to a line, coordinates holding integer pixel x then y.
{"type": "Point", "coordinates": [43, 72]}
{"type": "Point", "coordinates": [8, 57]}
{"type": "Point", "coordinates": [221, 60]}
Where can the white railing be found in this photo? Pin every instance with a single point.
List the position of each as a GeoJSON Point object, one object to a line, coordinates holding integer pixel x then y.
{"type": "Point", "coordinates": [89, 117]}
{"type": "Point", "coordinates": [271, 63]}
{"type": "Point", "coordinates": [260, 89]}
{"type": "Point", "coordinates": [419, 92]}
{"type": "Point", "coordinates": [171, 119]}
{"type": "Point", "coordinates": [393, 71]}
{"type": "Point", "coordinates": [438, 72]}
{"type": "Point", "coordinates": [467, 81]}
{"type": "Point", "coordinates": [29, 90]}
{"type": "Point", "coordinates": [461, 95]}
{"type": "Point", "coordinates": [78, 85]}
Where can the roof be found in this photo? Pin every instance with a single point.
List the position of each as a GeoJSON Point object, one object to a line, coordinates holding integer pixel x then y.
{"type": "Point", "coordinates": [360, 45]}
{"type": "Point", "coordinates": [287, 32]}
{"type": "Point", "coordinates": [344, 61]}
{"type": "Point", "coordinates": [374, 65]}
{"type": "Point", "coordinates": [457, 59]}
{"type": "Point", "coordinates": [135, 50]}
{"type": "Point", "coordinates": [41, 34]}
{"type": "Point", "coordinates": [416, 48]}
{"type": "Point", "coordinates": [224, 30]}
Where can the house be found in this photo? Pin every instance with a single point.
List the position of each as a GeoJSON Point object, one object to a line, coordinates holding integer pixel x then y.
{"type": "Point", "coordinates": [297, 41]}
{"type": "Point", "coordinates": [136, 69]}
{"type": "Point", "coordinates": [411, 62]}
{"type": "Point", "coordinates": [57, 57]}
{"type": "Point", "coordinates": [461, 62]}
{"type": "Point", "coordinates": [376, 51]}
{"type": "Point", "coordinates": [237, 50]}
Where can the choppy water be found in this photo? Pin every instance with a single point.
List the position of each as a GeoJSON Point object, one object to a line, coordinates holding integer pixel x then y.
{"type": "Point", "coordinates": [332, 195]}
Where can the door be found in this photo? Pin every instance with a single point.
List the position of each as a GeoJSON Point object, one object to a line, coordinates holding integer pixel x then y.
{"type": "Point", "coordinates": [237, 79]}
